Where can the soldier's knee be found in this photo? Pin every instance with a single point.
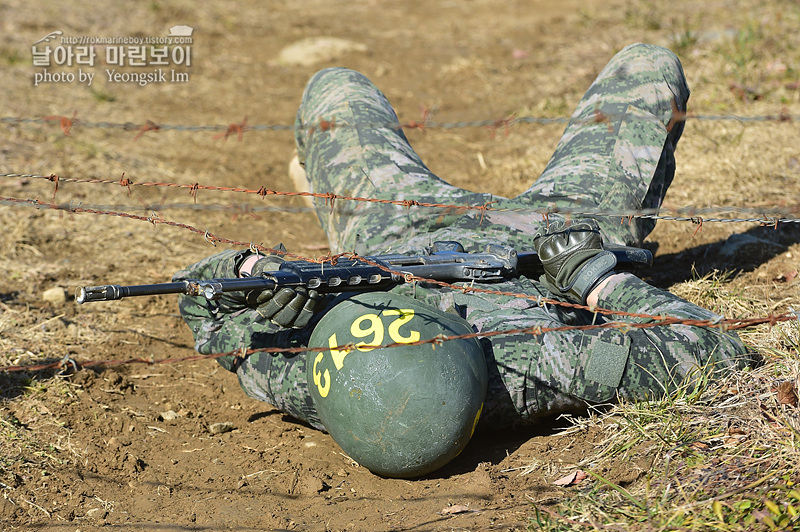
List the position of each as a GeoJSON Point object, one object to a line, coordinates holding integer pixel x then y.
{"type": "Point", "coordinates": [326, 75]}
{"type": "Point", "coordinates": [730, 352]}
{"type": "Point", "coordinates": [338, 78]}
{"type": "Point", "coordinates": [662, 361]}
{"type": "Point", "coordinates": [660, 73]}
{"type": "Point", "coordinates": [647, 50]}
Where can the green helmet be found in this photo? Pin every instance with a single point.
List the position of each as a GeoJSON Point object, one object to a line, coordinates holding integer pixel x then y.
{"type": "Point", "coordinates": [399, 411]}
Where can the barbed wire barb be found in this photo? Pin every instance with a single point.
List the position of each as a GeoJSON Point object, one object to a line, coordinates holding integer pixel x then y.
{"type": "Point", "coordinates": [149, 125]}
{"type": "Point", "coordinates": [65, 123]}
{"type": "Point", "coordinates": [237, 129]}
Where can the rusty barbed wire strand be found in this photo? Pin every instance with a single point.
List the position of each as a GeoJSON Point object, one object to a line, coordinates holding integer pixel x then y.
{"type": "Point", "coordinates": [695, 215]}
{"type": "Point", "coordinates": [329, 197]}
{"type": "Point", "coordinates": [724, 324]}
{"type": "Point", "coordinates": [653, 320]}
{"type": "Point", "coordinates": [331, 259]}
{"type": "Point", "coordinates": [67, 124]}
{"type": "Point", "coordinates": [235, 209]}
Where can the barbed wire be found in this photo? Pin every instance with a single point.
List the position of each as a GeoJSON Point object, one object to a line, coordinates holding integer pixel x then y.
{"type": "Point", "coordinates": [651, 320]}
{"type": "Point", "coordinates": [67, 123]}
{"type": "Point", "coordinates": [331, 259]}
{"type": "Point", "coordinates": [235, 209]}
{"type": "Point", "coordinates": [698, 216]}
{"type": "Point", "coordinates": [725, 324]}
{"type": "Point", "coordinates": [693, 214]}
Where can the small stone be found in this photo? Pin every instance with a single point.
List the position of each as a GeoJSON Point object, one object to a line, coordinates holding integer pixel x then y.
{"type": "Point", "coordinates": [55, 295]}
{"type": "Point", "coordinates": [96, 513]}
{"type": "Point", "coordinates": [310, 486]}
{"type": "Point", "coordinates": [219, 428]}
{"type": "Point", "coordinates": [169, 415]}
{"type": "Point", "coordinates": [313, 50]}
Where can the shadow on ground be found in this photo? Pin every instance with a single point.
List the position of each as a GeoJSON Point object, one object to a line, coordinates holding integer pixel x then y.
{"type": "Point", "coordinates": [739, 253]}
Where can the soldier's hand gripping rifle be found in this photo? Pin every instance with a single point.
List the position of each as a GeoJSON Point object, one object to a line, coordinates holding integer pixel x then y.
{"type": "Point", "coordinates": [447, 262]}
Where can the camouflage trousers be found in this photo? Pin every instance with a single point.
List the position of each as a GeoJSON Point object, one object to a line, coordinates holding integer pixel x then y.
{"type": "Point", "coordinates": [617, 154]}
{"type": "Point", "coordinates": [623, 162]}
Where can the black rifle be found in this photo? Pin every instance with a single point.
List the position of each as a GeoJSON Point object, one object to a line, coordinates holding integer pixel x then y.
{"type": "Point", "coordinates": [447, 262]}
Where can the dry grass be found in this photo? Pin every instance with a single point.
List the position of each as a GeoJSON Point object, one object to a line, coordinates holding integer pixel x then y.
{"type": "Point", "coordinates": [723, 456]}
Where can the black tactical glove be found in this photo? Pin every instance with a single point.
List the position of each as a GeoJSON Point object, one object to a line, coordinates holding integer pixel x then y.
{"type": "Point", "coordinates": [287, 307]}
{"type": "Point", "coordinates": [573, 258]}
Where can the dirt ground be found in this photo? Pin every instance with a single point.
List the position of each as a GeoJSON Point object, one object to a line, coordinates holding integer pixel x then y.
{"type": "Point", "coordinates": [140, 447]}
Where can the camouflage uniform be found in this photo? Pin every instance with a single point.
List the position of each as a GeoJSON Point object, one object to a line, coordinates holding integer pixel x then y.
{"type": "Point", "coordinates": [616, 154]}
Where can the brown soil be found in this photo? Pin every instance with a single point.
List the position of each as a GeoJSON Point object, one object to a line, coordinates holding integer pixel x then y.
{"type": "Point", "coordinates": [136, 447]}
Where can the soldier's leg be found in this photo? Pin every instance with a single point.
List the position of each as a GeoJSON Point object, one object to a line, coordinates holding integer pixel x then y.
{"type": "Point", "coordinates": [224, 326]}
{"type": "Point", "coordinates": [617, 153]}
{"type": "Point", "coordinates": [280, 380]}
{"type": "Point", "coordinates": [662, 356]}
{"type": "Point", "coordinates": [537, 376]}
{"type": "Point", "coordinates": [350, 142]}
{"type": "Point", "coordinates": [564, 371]}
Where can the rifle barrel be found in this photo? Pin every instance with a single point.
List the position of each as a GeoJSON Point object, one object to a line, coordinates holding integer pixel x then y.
{"type": "Point", "coordinates": [111, 292]}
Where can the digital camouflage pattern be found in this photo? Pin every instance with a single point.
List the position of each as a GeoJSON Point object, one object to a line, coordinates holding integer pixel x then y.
{"type": "Point", "coordinates": [229, 324]}
{"type": "Point", "coordinates": [616, 154]}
